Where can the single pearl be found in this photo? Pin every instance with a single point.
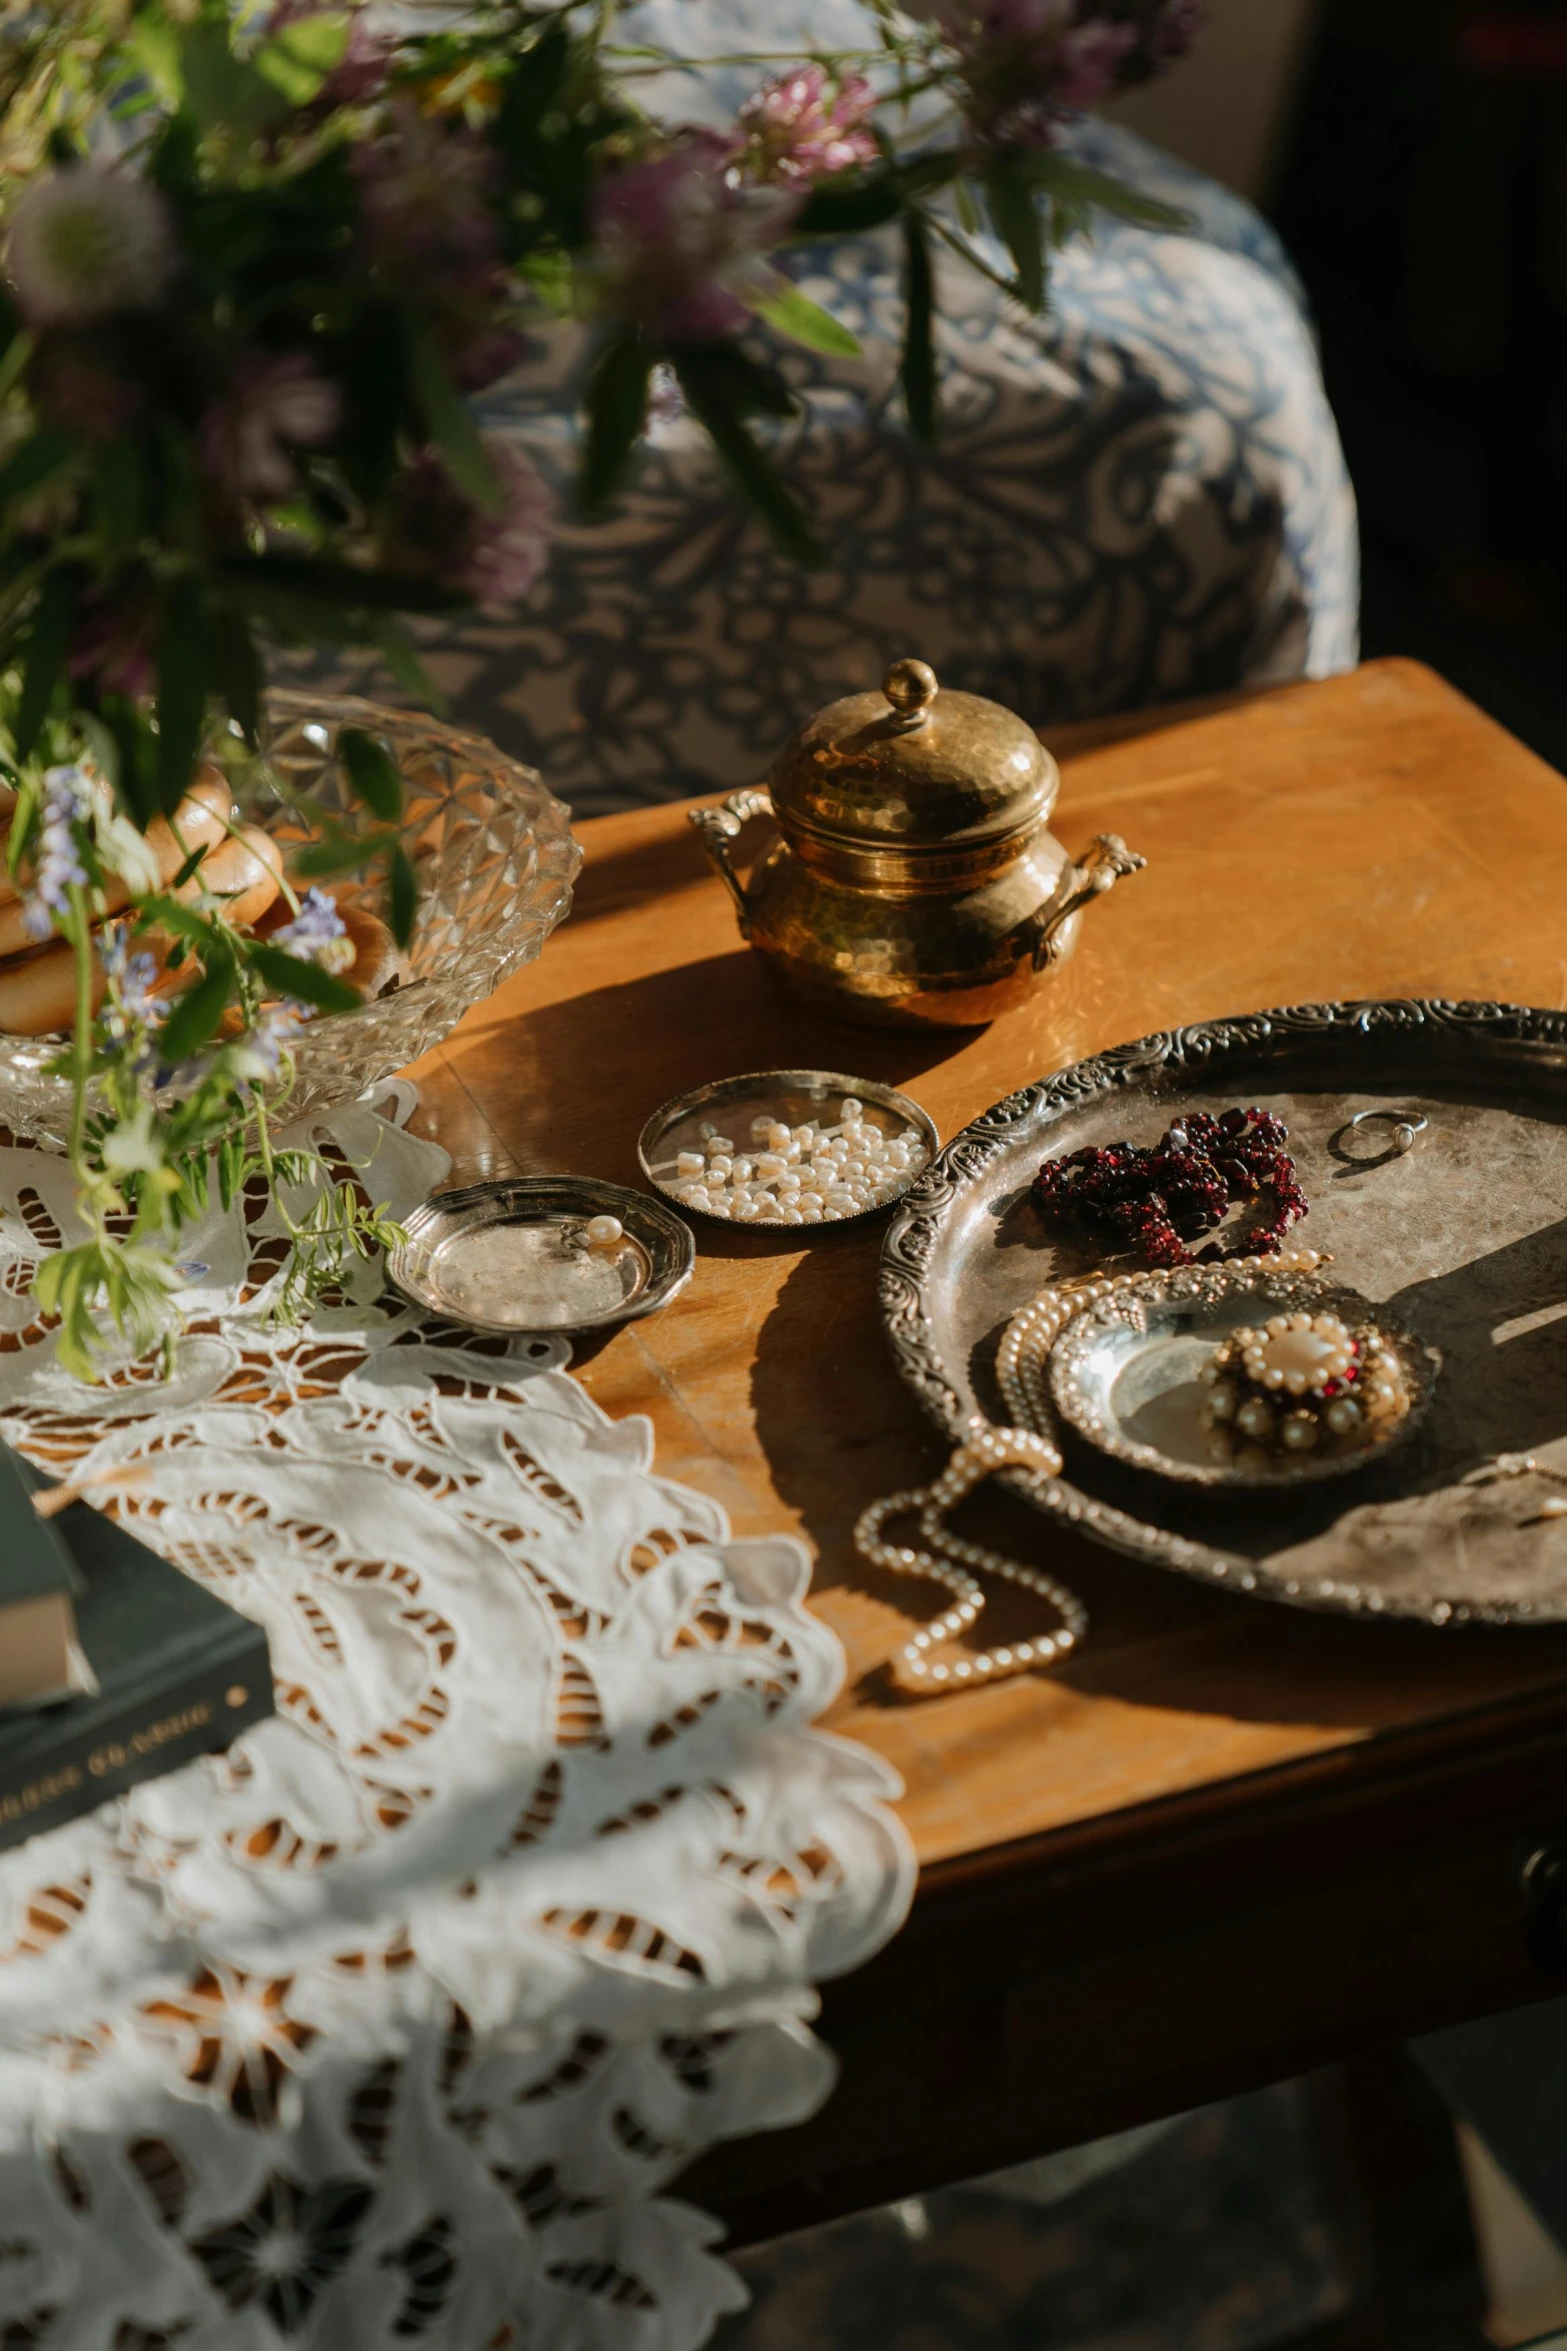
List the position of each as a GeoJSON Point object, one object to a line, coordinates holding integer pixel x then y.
{"type": "Point", "coordinates": [706, 1128]}
{"type": "Point", "coordinates": [741, 1171]}
{"type": "Point", "coordinates": [788, 1181]}
{"type": "Point", "coordinates": [1300, 1432]}
{"type": "Point", "coordinates": [1342, 1415]}
{"type": "Point", "coordinates": [721, 1168]}
{"type": "Point", "coordinates": [1222, 1400]}
{"type": "Point", "coordinates": [805, 1134]}
{"type": "Point", "coordinates": [770, 1164]}
{"type": "Point", "coordinates": [696, 1194]}
{"type": "Point", "coordinates": [793, 1216]}
{"type": "Point", "coordinates": [602, 1230]}
{"type": "Point", "coordinates": [777, 1135]}
{"type": "Point", "coordinates": [690, 1163]}
{"type": "Point", "coordinates": [1381, 1395]}
{"type": "Point", "coordinates": [810, 1199]}
{"type": "Point", "coordinates": [851, 1111]}
{"type": "Point", "coordinates": [811, 1215]}
{"type": "Point", "coordinates": [1254, 1418]}
{"type": "Point", "coordinates": [719, 1208]}
{"type": "Point", "coordinates": [761, 1128]}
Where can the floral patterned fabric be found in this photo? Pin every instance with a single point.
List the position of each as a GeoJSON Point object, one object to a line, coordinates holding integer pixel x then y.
{"type": "Point", "coordinates": [1139, 496]}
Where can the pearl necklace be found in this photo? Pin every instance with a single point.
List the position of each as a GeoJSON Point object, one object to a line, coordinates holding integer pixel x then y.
{"type": "Point", "coordinates": [1029, 1444]}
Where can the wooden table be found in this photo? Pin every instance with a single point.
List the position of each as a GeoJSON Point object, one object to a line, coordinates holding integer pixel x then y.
{"type": "Point", "coordinates": [1228, 1842]}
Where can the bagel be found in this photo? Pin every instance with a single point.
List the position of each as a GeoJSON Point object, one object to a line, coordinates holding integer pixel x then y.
{"type": "Point", "coordinates": [38, 991]}
{"type": "Point", "coordinates": [244, 874]}
{"type": "Point", "coordinates": [201, 817]}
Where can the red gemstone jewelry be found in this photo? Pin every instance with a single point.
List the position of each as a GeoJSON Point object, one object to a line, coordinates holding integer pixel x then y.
{"type": "Point", "coordinates": [1159, 1198]}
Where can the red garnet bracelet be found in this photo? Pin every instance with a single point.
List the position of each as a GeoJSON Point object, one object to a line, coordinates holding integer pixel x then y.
{"type": "Point", "coordinates": [1160, 1199]}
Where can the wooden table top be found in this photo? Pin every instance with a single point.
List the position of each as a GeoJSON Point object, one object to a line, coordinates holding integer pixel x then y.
{"type": "Point", "coordinates": [1371, 835]}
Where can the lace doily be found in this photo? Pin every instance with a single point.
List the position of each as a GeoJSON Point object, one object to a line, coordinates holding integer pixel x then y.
{"type": "Point", "coordinates": [389, 2025]}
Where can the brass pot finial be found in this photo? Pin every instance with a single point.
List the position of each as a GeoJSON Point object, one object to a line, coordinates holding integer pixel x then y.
{"type": "Point", "coordinates": [910, 686]}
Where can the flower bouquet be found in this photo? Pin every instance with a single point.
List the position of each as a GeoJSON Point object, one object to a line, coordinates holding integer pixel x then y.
{"type": "Point", "coordinates": [257, 261]}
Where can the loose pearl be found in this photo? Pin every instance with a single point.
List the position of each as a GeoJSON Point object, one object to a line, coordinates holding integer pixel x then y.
{"type": "Point", "coordinates": [792, 1216]}
{"type": "Point", "coordinates": [811, 1200]}
{"type": "Point", "coordinates": [778, 1136]}
{"type": "Point", "coordinates": [806, 1134]}
{"type": "Point", "coordinates": [721, 1167]}
{"type": "Point", "coordinates": [720, 1143]}
{"type": "Point", "coordinates": [787, 1182]}
{"type": "Point", "coordinates": [770, 1164]}
{"type": "Point", "coordinates": [761, 1128]}
{"type": "Point", "coordinates": [741, 1171]}
{"type": "Point", "coordinates": [690, 1163]}
{"type": "Point", "coordinates": [601, 1230]}
{"type": "Point", "coordinates": [851, 1111]}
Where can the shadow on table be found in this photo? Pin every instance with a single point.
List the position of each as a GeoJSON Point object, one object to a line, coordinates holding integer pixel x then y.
{"type": "Point", "coordinates": [570, 1086]}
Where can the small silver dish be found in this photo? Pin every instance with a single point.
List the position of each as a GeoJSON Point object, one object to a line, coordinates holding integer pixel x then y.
{"type": "Point", "coordinates": [514, 1257]}
{"type": "Point", "coordinates": [792, 1096]}
{"type": "Point", "coordinates": [1126, 1377]}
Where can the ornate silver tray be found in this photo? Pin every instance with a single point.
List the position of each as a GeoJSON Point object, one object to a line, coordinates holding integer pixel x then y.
{"type": "Point", "coordinates": [1464, 1238]}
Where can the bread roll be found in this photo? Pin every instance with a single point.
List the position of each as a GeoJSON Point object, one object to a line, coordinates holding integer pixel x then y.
{"type": "Point", "coordinates": [378, 963]}
{"type": "Point", "coordinates": [200, 817]}
{"type": "Point", "coordinates": [38, 991]}
{"type": "Point", "coordinates": [244, 873]}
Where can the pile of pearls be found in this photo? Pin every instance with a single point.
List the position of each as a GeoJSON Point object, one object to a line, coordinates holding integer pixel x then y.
{"type": "Point", "coordinates": [808, 1174]}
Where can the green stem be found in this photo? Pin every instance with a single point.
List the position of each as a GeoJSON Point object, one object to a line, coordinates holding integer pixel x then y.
{"type": "Point", "coordinates": [81, 1034]}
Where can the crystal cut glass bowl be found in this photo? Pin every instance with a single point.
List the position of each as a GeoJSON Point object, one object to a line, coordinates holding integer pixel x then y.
{"type": "Point", "coordinates": [493, 851]}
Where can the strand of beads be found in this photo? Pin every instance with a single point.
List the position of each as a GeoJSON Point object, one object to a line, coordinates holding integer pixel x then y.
{"type": "Point", "coordinates": [949, 1557]}
{"type": "Point", "coordinates": [1029, 1444]}
{"type": "Point", "coordinates": [1159, 1198]}
{"type": "Point", "coordinates": [806, 1174]}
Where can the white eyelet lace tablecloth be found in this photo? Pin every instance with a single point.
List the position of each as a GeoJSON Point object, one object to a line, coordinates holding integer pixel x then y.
{"type": "Point", "coordinates": [388, 2026]}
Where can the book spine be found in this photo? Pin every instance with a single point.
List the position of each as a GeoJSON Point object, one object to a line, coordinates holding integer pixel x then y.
{"type": "Point", "coordinates": [153, 1731]}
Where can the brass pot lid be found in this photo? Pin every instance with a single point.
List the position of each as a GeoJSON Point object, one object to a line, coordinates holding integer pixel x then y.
{"type": "Point", "coordinates": [913, 764]}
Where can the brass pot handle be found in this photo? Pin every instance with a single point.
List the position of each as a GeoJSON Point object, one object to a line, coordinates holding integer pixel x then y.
{"type": "Point", "coordinates": [1081, 880]}
{"type": "Point", "coordinates": [717, 827]}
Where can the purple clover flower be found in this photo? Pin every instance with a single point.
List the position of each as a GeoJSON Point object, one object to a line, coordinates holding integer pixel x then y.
{"type": "Point", "coordinates": [1026, 61]}
{"type": "Point", "coordinates": [273, 402]}
{"type": "Point", "coordinates": [435, 532]}
{"type": "Point", "coordinates": [425, 189]}
{"type": "Point", "coordinates": [273, 1034]}
{"type": "Point", "coordinates": [804, 127]}
{"type": "Point", "coordinates": [680, 238]}
{"type": "Point", "coordinates": [57, 861]}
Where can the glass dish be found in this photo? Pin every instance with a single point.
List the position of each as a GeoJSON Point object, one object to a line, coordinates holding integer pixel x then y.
{"type": "Point", "coordinates": [493, 851]}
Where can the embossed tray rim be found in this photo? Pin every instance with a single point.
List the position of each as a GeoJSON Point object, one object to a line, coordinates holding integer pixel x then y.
{"type": "Point", "coordinates": [1193, 1052]}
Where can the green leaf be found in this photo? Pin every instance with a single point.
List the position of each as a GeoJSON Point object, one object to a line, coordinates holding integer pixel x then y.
{"type": "Point", "coordinates": [196, 1015]}
{"type": "Point", "coordinates": [450, 422]}
{"type": "Point", "coordinates": [402, 896]}
{"type": "Point", "coordinates": [154, 42]}
{"type": "Point", "coordinates": [834, 210]}
{"type": "Point", "coordinates": [318, 861]}
{"type": "Point", "coordinates": [708, 387]}
{"type": "Point", "coordinates": [40, 455]}
{"type": "Point", "coordinates": [747, 386]}
{"type": "Point", "coordinates": [342, 584]}
{"type": "Point", "coordinates": [371, 772]}
{"type": "Point", "coordinates": [1079, 183]}
{"type": "Point", "coordinates": [50, 635]}
{"type": "Point", "coordinates": [617, 412]}
{"type": "Point", "coordinates": [288, 975]}
{"type": "Point", "coordinates": [1016, 218]}
{"type": "Point", "coordinates": [917, 369]}
{"type": "Point", "coordinates": [804, 321]}
{"type": "Point", "coordinates": [298, 59]}
{"type": "Point", "coordinates": [237, 669]}
{"type": "Point", "coordinates": [401, 656]}
{"type": "Point", "coordinates": [182, 690]}
{"type": "Point", "coordinates": [221, 90]}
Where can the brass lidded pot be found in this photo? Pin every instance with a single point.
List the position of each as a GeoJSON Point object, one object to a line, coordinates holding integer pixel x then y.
{"type": "Point", "coordinates": [915, 880]}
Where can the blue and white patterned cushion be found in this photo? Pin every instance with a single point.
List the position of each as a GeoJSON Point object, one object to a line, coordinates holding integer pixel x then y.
{"type": "Point", "coordinates": [1138, 497]}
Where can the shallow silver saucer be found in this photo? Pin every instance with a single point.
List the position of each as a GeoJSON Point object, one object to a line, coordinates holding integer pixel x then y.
{"type": "Point", "coordinates": [791, 1096]}
{"type": "Point", "coordinates": [1126, 1376]}
{"type": "Point", "coordinates": [512, 1257]}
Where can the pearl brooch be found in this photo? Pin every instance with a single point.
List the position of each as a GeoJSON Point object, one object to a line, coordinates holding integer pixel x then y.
{"type": "Point", "coordinates": [1300, 1380]}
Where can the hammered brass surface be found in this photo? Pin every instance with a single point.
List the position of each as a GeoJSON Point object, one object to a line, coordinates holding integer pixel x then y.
{"type": "Point", "coordinates": [913, 882]}
{"type": "Point", "coordinates": [914, 765]}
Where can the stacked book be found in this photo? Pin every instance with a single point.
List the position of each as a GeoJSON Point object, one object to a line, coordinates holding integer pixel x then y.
{"type": "Point", "coordinates": [114, 1666]}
